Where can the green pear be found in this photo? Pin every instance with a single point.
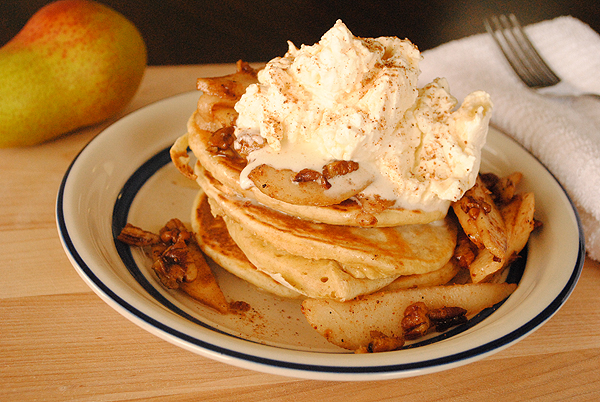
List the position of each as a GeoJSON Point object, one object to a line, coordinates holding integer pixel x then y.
{"type": "Point", "coordinates": [74, 64]}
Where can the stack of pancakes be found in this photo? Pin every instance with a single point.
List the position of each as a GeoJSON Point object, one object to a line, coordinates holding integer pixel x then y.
{"type": "Point", "coordinates": [293, 250]}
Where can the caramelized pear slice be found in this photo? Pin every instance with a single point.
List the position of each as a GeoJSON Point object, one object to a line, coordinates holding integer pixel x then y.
{"type": "Point", "coordinates": [295, 188]}
{"type": "Point", "coordinates": [481, 219]}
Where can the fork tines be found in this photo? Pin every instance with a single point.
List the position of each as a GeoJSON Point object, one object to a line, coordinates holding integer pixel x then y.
{"type": "Point", "coordinates": [519, 51]}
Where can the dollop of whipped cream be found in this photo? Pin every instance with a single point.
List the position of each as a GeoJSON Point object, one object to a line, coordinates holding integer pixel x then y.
{"type": "Point", "coordinates": [350, 98]}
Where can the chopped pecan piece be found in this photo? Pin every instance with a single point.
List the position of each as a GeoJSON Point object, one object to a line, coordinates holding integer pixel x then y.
{"type": "Point", "coordinates": [221, 140]}
{"type": "Point", "coordinates": [465, 250]}
{"type": "Point", "coordinates": [329, 171]}
{"type": "Point", "coordinates": [489, 179]}
{"type": "Point", "coordinates": [173, 231]}
{"type": "Point", "coordinates": [306, 175]}
{"type": "Point", "coordinates": [373, 203]}
{"type": "Point", "coordinates": [176, 253]}
{"type": "Point", "coordinates": [157, 250]}
{"type": "Point", "coordinates": [339, 168]}
{"type": "Point", "coordinates": [474, 207]}
{"type": "Point", "coordinates": [170, 275]}
{"type": "Point", "coordinates": [168, 249]}
{"type": "Point", "coordinates": [502, 189]}
{"type": "Point", "coordinates": [447, 317]}
{"type": "Point", "coordinates": [179, 263]}
{"type": "Point", "coordinates": [415, 323]}
{"type": "Point", "coordinates": [174, 264]}
{"type": "Point", "coordinates": [135, 236]}
{"type": "Point", "coordinates": [418, 319]}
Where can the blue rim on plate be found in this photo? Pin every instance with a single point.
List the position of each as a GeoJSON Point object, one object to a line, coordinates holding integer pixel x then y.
{"type": "Point", "coordinates": [91, 265]}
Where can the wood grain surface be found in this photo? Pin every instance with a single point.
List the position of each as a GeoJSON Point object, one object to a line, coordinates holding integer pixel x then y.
{"type": "Point", "coordinates": [61, 342]}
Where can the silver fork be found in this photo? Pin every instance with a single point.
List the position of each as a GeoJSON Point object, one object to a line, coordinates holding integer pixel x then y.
{"type": "Point", "coordinates": [524, 58]}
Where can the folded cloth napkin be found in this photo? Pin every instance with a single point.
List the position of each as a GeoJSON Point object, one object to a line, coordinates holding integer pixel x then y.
{"type": "Point", "coordinates": [562, 132]}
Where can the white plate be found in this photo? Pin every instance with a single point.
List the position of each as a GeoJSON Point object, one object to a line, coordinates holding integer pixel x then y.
{"type": "Point", "coordinates": [124, 175]}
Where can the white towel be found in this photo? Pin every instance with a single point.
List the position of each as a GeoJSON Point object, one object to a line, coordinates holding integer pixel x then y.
{"type": "Point", "coordinates": [562, 132]}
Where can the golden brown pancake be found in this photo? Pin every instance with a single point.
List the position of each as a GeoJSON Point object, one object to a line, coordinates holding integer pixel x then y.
{"type": "Point", "coordinates": [214, 240]}
{"type": "Point", "coordinates": [363, 252]}
{"type": "Point", "coordinates": [284, 274]}
{"type": "Point", "coordinates": [321, 278]}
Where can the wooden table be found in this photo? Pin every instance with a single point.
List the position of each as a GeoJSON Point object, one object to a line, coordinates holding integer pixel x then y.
{"type": "Point", "coordinates": [59, 341]}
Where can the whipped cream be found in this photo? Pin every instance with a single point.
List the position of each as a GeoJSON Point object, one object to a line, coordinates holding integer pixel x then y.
{"type": "Point", "coordinates": [350, 98]}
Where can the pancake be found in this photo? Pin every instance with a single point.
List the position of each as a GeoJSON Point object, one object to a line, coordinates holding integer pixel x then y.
{"type": "Point", "coordinates": [349, 213]}
{"type": "Point", "coordinates": [214, 240]}
{"type": "Point", "coordinates": [313, 278]}
{"type": "Point", "coordinates": [372, 253]}
{"type": "Point", "coordinates": [434, 278]}
{"type": "Point", "coordinates": [284, 274]}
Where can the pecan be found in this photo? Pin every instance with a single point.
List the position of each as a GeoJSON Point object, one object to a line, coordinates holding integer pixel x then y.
{"type": "Point", "coordinates": [373, 203]}
{"type": "Point", "coordinates": [175, 265]}
{"type": "Point", "coordinates": [170, 275]}
{"type": "Point", "coordinates": [221, 140]}
{"type": "Point", "coordinates": [339, 168]}
{"type": "Point", "coordinates": [176, 254]}
{"type": "Point", "coordinates": [157, 250]}
{"type": "Point", "coordinates": [173, 231]}
{"type": "Point", "coordinates": [418, 319]}
{"type": "Point", "coordinates": [445, 313]}
{"type": "Point", "coordinates": [169, 250]}
{"type": "Point", "coordinates": [489, 179]}
{"type": "Point", "coordinates": [447, 317]}
{"type": "Point", "coordinates": [502, 188]}
{"type": "Point", "coordinates": [415, 323]}
{"type": "Point", "coordinates": [135, 236]}
{"type": "Point", "coordinates": [474, 207]}
{"type": "Point", "coordinates": [333, 169]}
{"type": "Point", "coordinates": [307, 175]}
{"type": "Point", "coordinates": [465, 250]}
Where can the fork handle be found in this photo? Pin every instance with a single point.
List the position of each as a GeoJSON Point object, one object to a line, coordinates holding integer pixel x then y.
{"type": "Point", "coordinates": [563, 88]}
